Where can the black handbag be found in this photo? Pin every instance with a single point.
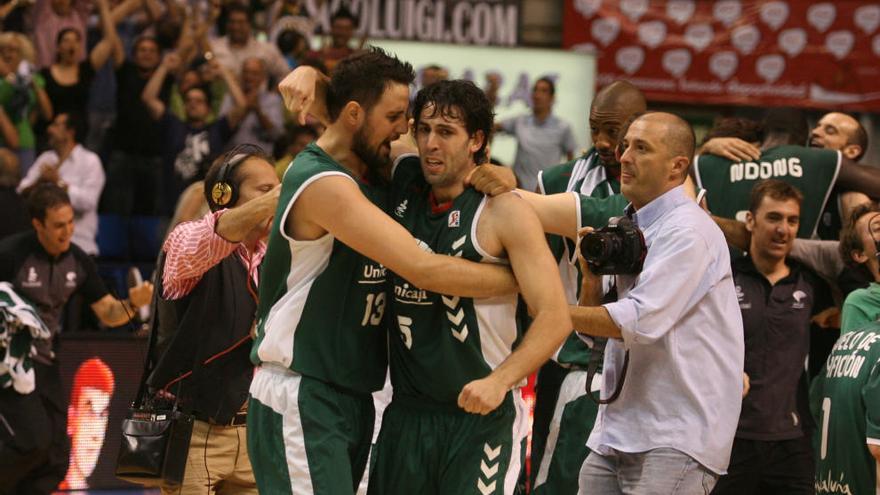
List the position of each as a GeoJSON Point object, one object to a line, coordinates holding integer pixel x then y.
{"type": "Point", "coordinates": [156, 434]}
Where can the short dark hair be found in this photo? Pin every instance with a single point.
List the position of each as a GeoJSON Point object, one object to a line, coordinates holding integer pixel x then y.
{"type": "Point", "coordinates": [344, 13]}
{"type": "Point", "coordinates": [549, 82]}
{"type": "Point", "coordinates": [788, 121]}
{"type": "Point", "coordinates": [850, 239]}
{"type": "Point", "coordinates": [738, 127]}
{"type": "Point", "coordinates": [462, 100]}
{"type": "Point", "coordinates": [288, 39]}
{"type": "Point", "coordinates": [363, 77]}
{"type": "Point", "coordinates": [76, 123]}
{"type": "Point", "coordinates": [65, 31]}
{"type": "Point", "coordinates": [141, 39]}
{"type": "Point", "coordinates": [235, 7]}
{"type": "Point", "coordinates": [234, 158]}
{"type": "Point", "coordinates": [859, 138]}
{"type": "Point", "coordinates": [775, 189]}
{"type": "Point", "coordinates": [44, 196]}
{"type": "Point", "coordinates": [200, 87]}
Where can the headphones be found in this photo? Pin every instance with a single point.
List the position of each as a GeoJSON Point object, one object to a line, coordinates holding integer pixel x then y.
{"type": "Point", "coordinates": [224, 193]}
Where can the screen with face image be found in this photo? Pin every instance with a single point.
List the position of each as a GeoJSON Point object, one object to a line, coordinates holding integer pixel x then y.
{"type": "Point", "coordinates": [100, 374]}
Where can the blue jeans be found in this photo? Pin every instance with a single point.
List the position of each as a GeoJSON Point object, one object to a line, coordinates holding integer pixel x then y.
{"type": "Point", "coordinates": [662, 471]}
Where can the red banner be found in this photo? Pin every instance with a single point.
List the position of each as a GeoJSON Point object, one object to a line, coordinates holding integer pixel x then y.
{"type": "Point", "coordinates": [741, 52]}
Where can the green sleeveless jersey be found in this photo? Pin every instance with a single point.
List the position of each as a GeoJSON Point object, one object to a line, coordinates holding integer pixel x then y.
{"type": "Point", "coordinates": [439, 343]}
{"type": "Point", "coordinates": [587, 177]}
{"type": "Point", "coordinates": [321, 303]}
{"type": "Point", "coordinates": [729, 184]}
{"type": "Point", "coordinates": [845, 402]}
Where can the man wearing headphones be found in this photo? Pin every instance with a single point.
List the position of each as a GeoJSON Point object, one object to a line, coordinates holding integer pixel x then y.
{"type": "Point", "coordinates": [206, 312]}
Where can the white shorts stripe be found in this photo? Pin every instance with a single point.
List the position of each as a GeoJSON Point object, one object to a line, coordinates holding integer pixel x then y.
{"type": "Point", "coordinates": [572, 388]}
{"type": "Point", "coordinates": [519, 432]}
{"type": "Point", "coordinates": [278, 388]}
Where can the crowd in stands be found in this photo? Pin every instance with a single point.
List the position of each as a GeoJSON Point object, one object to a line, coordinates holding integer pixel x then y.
{"type": "Point", "coordinates": [127, 102]}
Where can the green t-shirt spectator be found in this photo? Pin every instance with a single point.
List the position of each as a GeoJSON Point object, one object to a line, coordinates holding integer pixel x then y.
{"type": "Point", "coordinates": [861, 307]}
{"type": "Point", "coordinates": [19, 100]}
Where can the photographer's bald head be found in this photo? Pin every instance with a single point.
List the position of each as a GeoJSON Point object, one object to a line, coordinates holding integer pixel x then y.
{"type": "Point", "coordinates": [655, 155]}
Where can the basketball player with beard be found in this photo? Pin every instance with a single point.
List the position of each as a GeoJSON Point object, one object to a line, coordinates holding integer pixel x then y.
{"type": "Point", "coordinates": [321, 339]}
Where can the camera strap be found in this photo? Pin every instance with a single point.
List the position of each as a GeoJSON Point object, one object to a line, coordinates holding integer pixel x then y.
{"type": "Point", "coordinates": [597, 354]}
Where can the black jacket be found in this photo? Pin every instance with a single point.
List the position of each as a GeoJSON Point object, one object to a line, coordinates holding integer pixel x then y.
{"type": "Point", "coordinates": [205, 343]}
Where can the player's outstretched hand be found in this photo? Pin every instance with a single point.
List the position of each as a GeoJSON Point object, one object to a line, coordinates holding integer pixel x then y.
{"type": "Point", "coordinates": [482, 396]}
{"type": "Point", "coordinates": [491, 180]}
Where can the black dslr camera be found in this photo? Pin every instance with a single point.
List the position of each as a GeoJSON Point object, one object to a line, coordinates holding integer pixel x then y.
{"type": "Point", "coordinates": [616, 249]}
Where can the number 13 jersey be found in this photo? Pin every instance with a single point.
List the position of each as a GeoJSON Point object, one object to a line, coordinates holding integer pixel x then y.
{"type": "Point", "coordinates": [322, 304]}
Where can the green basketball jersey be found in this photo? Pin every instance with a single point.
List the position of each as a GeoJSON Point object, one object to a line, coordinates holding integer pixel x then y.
{"type": "Point", "coordinates": [321, 303]}
{"type": "Point", "coordinates": [845, 402]}
{"type": "Point", "coordinates": [587, 177]}
{"type": "Point", "coordinates": [729, 184]}
{"type": "Point", "coordinates": [439, 343]}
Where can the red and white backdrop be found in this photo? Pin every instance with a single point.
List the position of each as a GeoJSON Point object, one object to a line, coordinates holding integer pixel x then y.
{"type": "Point", "coordinates": [760, 53]}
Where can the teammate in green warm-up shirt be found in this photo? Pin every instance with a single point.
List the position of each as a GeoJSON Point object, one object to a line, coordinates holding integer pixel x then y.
{"type": "Point", "coordinates": [845, 402]}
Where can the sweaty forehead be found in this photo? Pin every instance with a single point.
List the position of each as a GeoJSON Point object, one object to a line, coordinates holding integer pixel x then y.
{"type": "Point", "coordinates": [870, 219]}
{"type": "Point", "coordinates": [394, 98]}
{"type": "Point", "coordinates": [606, 116]}
{"type": "Point", "coordinates": [448, 115]}
{"type": "Point", "coordinates": [789, 206]}
{"type": "Point", "coordinates": [839, 120]}
{"type": "Point", "coordinates": [255, 168]}
{"type": "Point", "coordinates": [644, 128]}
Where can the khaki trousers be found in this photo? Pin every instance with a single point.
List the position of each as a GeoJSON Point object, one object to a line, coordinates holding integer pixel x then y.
{"type": "Point", "coordinates": [217, 462]}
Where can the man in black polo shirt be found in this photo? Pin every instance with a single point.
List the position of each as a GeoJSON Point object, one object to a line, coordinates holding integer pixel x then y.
{"type": "Point", "coordinates": [777, 296]}
{"type": "Point", "coordinates": [47, 269]}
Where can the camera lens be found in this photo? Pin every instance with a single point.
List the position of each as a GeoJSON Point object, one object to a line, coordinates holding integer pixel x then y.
{"type": "Point", "coordinates": [595, 247]}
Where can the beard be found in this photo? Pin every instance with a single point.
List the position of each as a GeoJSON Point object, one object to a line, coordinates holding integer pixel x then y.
{"type": "Point", "coordinates": [373, 158]}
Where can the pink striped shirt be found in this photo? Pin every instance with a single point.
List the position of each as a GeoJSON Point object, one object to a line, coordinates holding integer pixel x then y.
{"type": "Point", "coordinates": [194, 247]}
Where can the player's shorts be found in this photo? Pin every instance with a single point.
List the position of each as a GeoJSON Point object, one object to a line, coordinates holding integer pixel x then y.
{"type": "Point", "coordinates": [440, 450]}
{"type": "Point", "coordinates": [565, 448]}
{"type": "Point", "coordinates": [306, 436]}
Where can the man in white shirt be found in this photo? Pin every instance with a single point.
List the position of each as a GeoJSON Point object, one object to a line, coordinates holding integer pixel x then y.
{"type": "Point", "coordinates": [77, 170]}
{"type": "Point", "coordinates": [263, 120]}
{"type": "Point", "coordinates": [239, 45]}
{"type": "Point", "coordinates": [542, 139]}
{"type": "Point", "coordinates": [675, 334]}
